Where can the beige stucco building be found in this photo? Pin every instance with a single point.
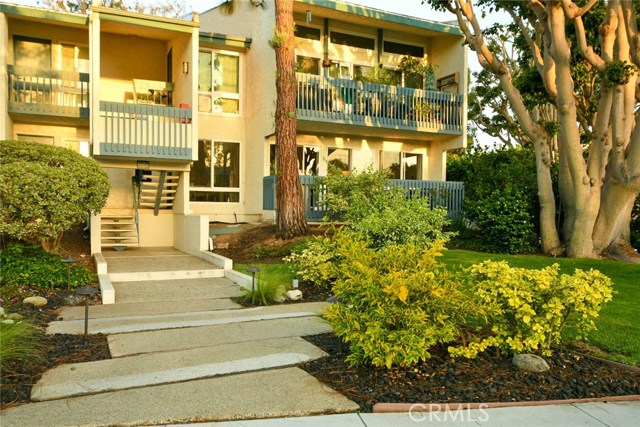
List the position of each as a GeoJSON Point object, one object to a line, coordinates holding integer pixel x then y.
{"type": "Point", "coordinates": [180, 113]}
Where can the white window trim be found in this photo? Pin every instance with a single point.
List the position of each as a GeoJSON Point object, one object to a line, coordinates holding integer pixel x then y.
{"type": "Point", "coordinates": [227, 95]}
{"type": "Point", "coordinates": [400, 158]}
{"type": "Point", "coordinates": [212, 189]}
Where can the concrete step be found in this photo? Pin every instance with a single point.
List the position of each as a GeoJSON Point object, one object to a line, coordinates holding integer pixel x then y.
{"type": "Point", "coordinates": [170, 367]}
{"type": "Point", "coordinates": [149, 308]}
{"type": "Point", "coordinates": [182, 339]}
{"type": "Point", "coordinates": [135, 323]}
{"type": "Point", "coordinates": [174, 290]}
{"type": "Point", "coordinates": [262, 394]}
{"type": "Point", "coordinates": [166, 275]}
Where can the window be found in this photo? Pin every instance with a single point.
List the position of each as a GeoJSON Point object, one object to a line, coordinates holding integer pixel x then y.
{"type": "Point", "coordinates": [305, 32]}
{"type": "Point", "coordinates": [401, 165]}
{"type": "Point", "coordinates": [31, 52]}
{"type": "Point", "coordinates": [340, 159]}
{"type": "Point", "coordinates": [215, 176]}
{"type": "Point", "coordinates": [308, 160]}
{"type": "Point", "coordinates": [308, 65]}
{"type": "Point", "coordinates": [219, 82]}
{"type": "Point", "coordinates": [404, 49]}
{"type": "Point", "coordinates": [353, 40]}
{"type": "Point", "coordinates": [74, 58]}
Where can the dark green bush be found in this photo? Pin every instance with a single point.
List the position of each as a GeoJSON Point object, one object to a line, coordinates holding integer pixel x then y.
{"type": "Point", "coordinates": [24, 265]}
{"type": "Point", "coordinates": [501, 204]}
{"type": "Point", "coordinates": [502, 222]}
{"type": "Point", "coordinates": [46, 190]}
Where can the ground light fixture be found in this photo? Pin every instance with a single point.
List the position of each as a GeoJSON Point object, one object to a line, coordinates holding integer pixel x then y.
{"type": "Point", "coordinates": [69, 260]}
{"type": "Point", "coordinates": [253, 271]}
{"type": "Point", "coordinates": [86, 292]}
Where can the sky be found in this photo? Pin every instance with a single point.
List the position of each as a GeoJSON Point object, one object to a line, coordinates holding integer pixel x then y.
{"type": "Point", "coordinates": [405, 7]}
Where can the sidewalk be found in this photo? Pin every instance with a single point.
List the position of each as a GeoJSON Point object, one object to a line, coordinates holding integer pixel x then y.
{"type": "Point", "coordinates": [619, 414]}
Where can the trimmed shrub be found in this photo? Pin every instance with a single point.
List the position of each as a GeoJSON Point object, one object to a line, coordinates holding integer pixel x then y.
{"type": "Point", "coordinates": [45, 190]}
{"type": "Point", "coordinates": [525, 310]}
{"type": "Point", "coordinates": [24, 265]}
{"type": "Point", "coordinates": [315, 261]}
{"type": "Point", "coordinates": [395, 303]}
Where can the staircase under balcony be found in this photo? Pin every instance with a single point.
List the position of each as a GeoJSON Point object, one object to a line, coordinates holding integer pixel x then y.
{"type": "Point", "coordinates": [152, 190]}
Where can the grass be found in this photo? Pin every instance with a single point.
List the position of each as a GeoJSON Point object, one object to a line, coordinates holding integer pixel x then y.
{"type": "Point", "coordinates": [272, 280]}
{"type": "Point", "coordinates": [618, 333]}
{"type": "Point", "coordinates": [19, 341]}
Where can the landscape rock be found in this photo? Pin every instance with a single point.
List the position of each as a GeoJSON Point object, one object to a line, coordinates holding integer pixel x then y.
{"type": "Point", "coordinates": [14, 316]}
{"type": "Point", "coordinates": [7, 321]}
{"type": "Point", "coordinates": [530, 363]}
{"type": "Point", "coordinates": [294, 295]}
{"type": "Point", "coordinates": [35, 301]}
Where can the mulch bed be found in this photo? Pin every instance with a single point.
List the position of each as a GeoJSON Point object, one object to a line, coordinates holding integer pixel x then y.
{"type": "Point", "coordinates": [19, 376]}
{"type": "Point", "coordinates": [485, 379]}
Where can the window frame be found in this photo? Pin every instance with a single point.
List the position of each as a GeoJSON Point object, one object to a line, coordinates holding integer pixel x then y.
{"type": "Point", "coordinates": [213, 188]}
{"type": "Point", "coordinates": [213, 94]}
{"type": "Point", "coordinates": [355, 34]}
{"type": "Point", "coordinates": [400, 157]}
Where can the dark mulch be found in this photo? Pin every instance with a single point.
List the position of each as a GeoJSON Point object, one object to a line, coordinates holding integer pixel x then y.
{"type": "Point", "coordinates": [19, 376]}
{"type": "Point", "coordinates": [485, 379]}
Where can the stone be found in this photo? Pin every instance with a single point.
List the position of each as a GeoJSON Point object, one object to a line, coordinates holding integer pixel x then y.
{"type": "Point", "coordinates": [35, 301]}
{"type": "Point", "coordinates": [530, 363]}
{"type": "Point", "coordinates": [14, 316]}
{"type": "Point", "coordinates": [294, 295]}
{"type": "Point", "coordinates": [7, 321]}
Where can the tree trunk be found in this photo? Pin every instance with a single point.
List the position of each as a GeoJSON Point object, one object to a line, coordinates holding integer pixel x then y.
{"type": "Point", "coordinates": [550, 240]}
{"type": "Point", "coordinates": [290, 216]}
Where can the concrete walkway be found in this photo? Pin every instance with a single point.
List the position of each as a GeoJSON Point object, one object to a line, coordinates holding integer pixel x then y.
{"type": "Point", "coordinates": [184, 352]}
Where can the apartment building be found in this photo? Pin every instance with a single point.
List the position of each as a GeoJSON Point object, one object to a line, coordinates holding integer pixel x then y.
{"type": "Point", "coordinates": [180, 112]}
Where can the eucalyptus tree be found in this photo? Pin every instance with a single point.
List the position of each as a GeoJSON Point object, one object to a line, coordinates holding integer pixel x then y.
{"type": "Point", "coordinates": [167, 8]}
{"type": "Point", "coordinates": [585, 57]}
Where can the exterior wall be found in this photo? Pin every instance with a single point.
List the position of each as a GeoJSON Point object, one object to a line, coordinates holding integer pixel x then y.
{"type": "Point", "coordinates": [6, 124]}
{"type": "Point", "coordinates": [74, 138]}
{"type": "Point", "coordinates": [156, 230]}
{"type": "Point", "coordinates": [256, 120]}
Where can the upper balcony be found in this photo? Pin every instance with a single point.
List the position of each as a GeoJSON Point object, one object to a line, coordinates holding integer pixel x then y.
{"type": "Point", "coordinates": [344, 101]}
{"type": "Point", "coordinates": [48, 95]}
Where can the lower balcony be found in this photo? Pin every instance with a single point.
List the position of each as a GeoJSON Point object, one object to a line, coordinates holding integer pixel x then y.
{"type": "Point", "coordinates": [351, 102]}
{"type": "Point", "coordinates": [48, 95]}
{"type": "Point", "coordinates": [447, 194]}
{"type": "Point", "coordinates": [144, 131]}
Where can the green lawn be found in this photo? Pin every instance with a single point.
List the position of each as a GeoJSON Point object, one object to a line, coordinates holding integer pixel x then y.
{"type": "Point", "coordinates": [618, 333]}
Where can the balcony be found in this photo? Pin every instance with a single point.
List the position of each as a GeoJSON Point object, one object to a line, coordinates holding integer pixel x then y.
{"type": "Point", "coordinates": [447, 194]}
{"type": "Point", "coordinates": [53, 95]}
{"type": "Point", "coordinates": [376, 105]}
{"type": "Point", "coordinates": [144, 131]}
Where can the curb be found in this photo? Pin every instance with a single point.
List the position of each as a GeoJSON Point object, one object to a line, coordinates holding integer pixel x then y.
{"type": "Point", "coordinates": [612, 363]}
{"type": "Point", "coordinates": [381, 408]}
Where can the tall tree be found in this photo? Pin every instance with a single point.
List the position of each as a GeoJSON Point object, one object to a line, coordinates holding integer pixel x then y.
{"type": "Point", "coordinates": [598, 151]}
{"type": "Point", "coordinates": [291, 220]}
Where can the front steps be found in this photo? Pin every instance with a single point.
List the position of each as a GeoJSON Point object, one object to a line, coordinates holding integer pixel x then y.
{"type": "Point", "coordinates": [118, 231]}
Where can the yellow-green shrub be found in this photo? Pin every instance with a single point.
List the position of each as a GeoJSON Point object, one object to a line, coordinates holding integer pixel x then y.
{"type": "Point", "coordinates": [395, 303]}
{"type": "Point", "coordinates": [525, 310]}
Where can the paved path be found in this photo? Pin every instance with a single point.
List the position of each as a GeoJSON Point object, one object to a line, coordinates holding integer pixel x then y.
{"type": "Point", "coordinates": [179, 358]}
